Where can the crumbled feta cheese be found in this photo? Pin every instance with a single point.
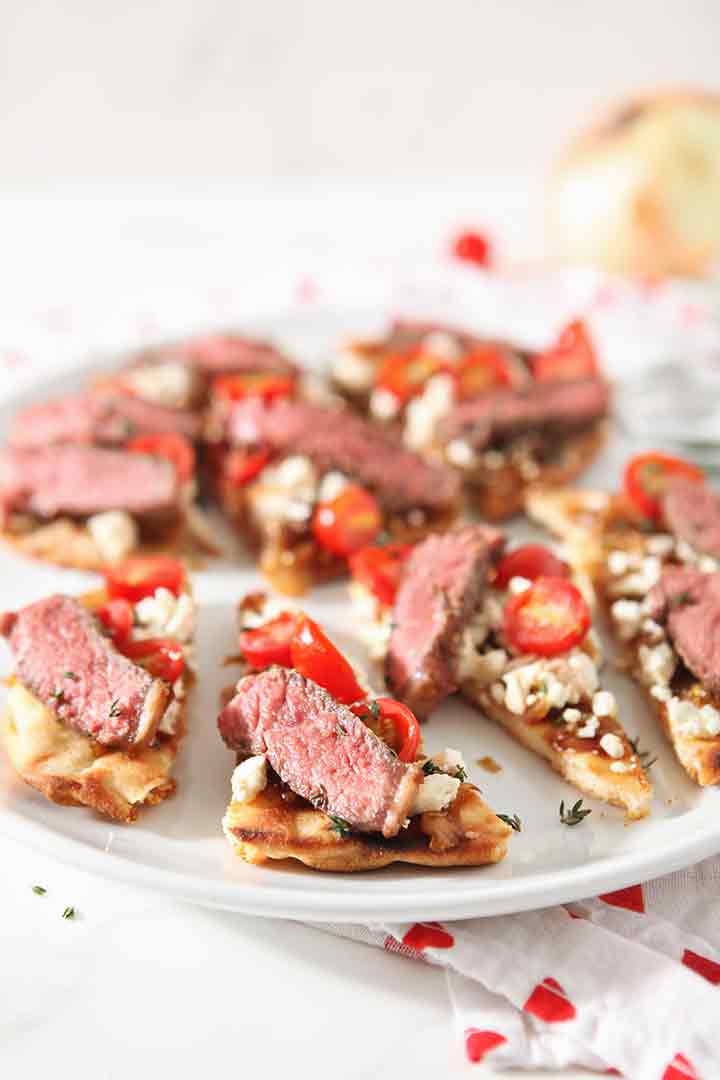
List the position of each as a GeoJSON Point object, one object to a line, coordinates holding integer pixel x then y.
{"type": "Point", "coordinates": [168, 383]}
{"type": "Point", "coordinates": [331, 485]}
{"type": "Point", "coordinates": [685, 552]}
{"type": "Point", "coordinates": [449, 760]}
{"type": "Point", "coordinates": [652, 629]}
{"type": "Point", "coordinates": [517, 686]}
{"type": "Point", "coordinates": [498, 693]}
{"type": "Point", "coordinates": [436, 792]}
{"type": "Point", "coordinates": [584, 671]}
{"type": "Point", "coordinates": [661, 545]}
{"type": "Point", "coordinates": [604, 704]}
{"type": "Point", "coordinates": [353, 370]}
{"type": "Point", "coordinates": [572, 716]}
{"type": "Point", "coordinates": [558, 682]}
{"type": "Point", "coordinates": [589, 729]}
{"type": "Point", "coordinates": [249, 778]}
{"type": "Point", "coordinates": [627, 616]}
{"type": "Point", "coordinates": [481, 668]}
{"type": "Point", "coordinates": [296, 471]}
{"type": "Point", "coordinates": [612, 745]}
{"type": "Point", "coordinates": [442, 345]}
{"type": "Point", "coordinates": [166, 615]}
{"type": "Point", "coordinates": [622, 766]}
{"type": "Point", "coordinates": [424, 411]}
{"type": "Point", "coordinates": [700, 722]}
{"type": "Point", "coordinates": [460, 453]}
{"type": "Point", "coordinates": [707, 564]}
{"type": "Point", "coordinates": [661, 693]}
{"type": "Point", "coordinates": [115, 534]}
{"type": "Point", "coordinates": [618, 562]}
{"type": "Point", "coordinates": [657, 663]}
{"type": "Point", "coordinates": [384, 405]}
{"type": "Point", "coordinates": [518, 584]}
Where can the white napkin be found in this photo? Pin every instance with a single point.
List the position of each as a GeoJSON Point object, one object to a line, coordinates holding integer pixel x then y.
{"type": "Point", "coordinates": [627, 981]}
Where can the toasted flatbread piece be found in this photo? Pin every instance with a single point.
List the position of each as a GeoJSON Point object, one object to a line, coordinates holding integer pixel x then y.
{"type": "Point", "coordinates": [73, 769]}
{"type": "Point", "coordinates": [280, 825]}
{"type": "Point", "coordinates": [583, 520]}
{"type": "Point", "coordinates": [590, 772]}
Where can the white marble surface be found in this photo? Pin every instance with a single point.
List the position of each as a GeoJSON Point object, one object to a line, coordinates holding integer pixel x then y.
{"type": "Point", "coordinates": [136, 985]}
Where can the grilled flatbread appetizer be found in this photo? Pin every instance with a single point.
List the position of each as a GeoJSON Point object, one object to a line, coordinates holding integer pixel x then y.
{"type": "Point", "coordinates": [512, 633]}
{"type": "Point", "coordinates": [308, 484]}
{"type": "Point", "coordinates": [654, 554]}
{"type": "Point", "coordinates": [331, 776]}
{"type": "Point", "coordinates": [96, 701]}
{"type": "Point", "coordinates": [504, 418]}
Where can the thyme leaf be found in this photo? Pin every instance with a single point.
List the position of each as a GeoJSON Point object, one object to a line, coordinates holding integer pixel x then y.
{"type": "Point", "coordinates": [339, 825]}
{"type": "Point", "coordinates": [39, 890]}
{"type": "Point", "coordinates": [69, 913]}
{"type": "Point", "coordinates": [647, 758]}
{"type": "Point", "coordinates": [514, 822]}
{"type": "Point", "coordinates": [115, 709]}
{"type": "Point", "coordinates": [573, 815]}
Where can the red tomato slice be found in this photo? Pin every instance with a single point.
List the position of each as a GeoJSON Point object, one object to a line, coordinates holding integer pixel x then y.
{"type": "Point", "coordinates": [117, 617]}
{"type": "Point", "coordinates": [175, 448]}
{"type": "Point", "coordinates": [481, 370]}
{"type": "Point", "coordinates": [141, 575]}
{"type": "Point", "coordinates": [242, 466]}
{"type": "Point", "coordinates": [406, 730]}
{"type": "Point", "coordinates": [530, 561]}
{"type": "Point", "coordinates": [348, 522]}
{"type": "Point", "coordinates": [315, 657]}
{"type": "Point", "coordinates": [162, 657]}
{"type": "Point", "coordinates": [405, 374]}
{"type": "Point", "coordinates": [547, 619]}
{"type": "Point", "coordinates": [571, 357]}
{"type": "Point", "coordinates": [254, 384]}
{"type": "Point", "coordinates": [270, 643]}
{"type": "Point", "coordinates": [473, 247]}
{"type": "Point", "coordinates": [380, 569]}
{"type": "Point", "coordinates": [647, 475]}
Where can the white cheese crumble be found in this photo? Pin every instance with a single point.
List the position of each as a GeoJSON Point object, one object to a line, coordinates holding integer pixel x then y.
{"type": "Point", "coordinates": [166, 615]}
{"type": "Point", "coordinates": [115, 533]}
{"type": "Point", "coordinates": [384, 405]}
{"type": "Point", "coordinates": [641, 581]}
{"type": "Point", "coordinates": [657, 663]}
{"type": "Point", "coordinates": [622, 766]}
{"type": "Point", "coordinates": [618, 562]}
{"type": "Point", "coordinates": [449, 760]}
{"type": "Point", "coordinates": [612, 745]}
{"type": "Point", "coordinates": [556, 683]}
{"type": "Point", "coordinates": [442, 345]}
{"type": "Point", "coordinates": [627, 616]}
{"type": "Point", "coordinates": [424, 411]}
{"type": "Point", "coordinates": [661, 545]}
{"type": "Point", "coordinates": [435, 793]}
{"type": "Point", "coordinates": [604, 704]}
{"type": "Point", "coordinates": [572, 716]}
{"type": "Point", "coordinates": [700, 722]}
{"type": "Point", "coordinates": [589, 729]}
{"type": "Point", "coordinates": [286, 491]}
{"type": "Point", "coordinates": [460, 453]}
{"type": "Point", "coordinates": [331, 485]}
{"type": "Point", "coordinates": [661, 693]}
{"type": "Point", "coordinates": [353, 370]}
{"type": "Point", "coordinates": [518, 584]}
{"type": "Point", "coordinates": [249, 778]}
{"type": "Point", "coordinates": [168, 383]}
{"type": "Point", "coordinates": [374, 620]}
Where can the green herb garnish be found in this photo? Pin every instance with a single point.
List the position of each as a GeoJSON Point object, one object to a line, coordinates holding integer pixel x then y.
{"type": "Point", "coordinates": [514, 822]}
{"type": "Point", "coordinates": [58, 695]}
{"type": "Point", "coordinates": [647, 758]}
{"type": "Point", "coordinates": [339, 825]}
{"type": "Point", "coordinates": [39, 890]}
{"type": "Point", "coordinates": [69, 913]}
{"type": "Point", "coordinates": [70, 675]}
{"type": "Point", "coordinates": [574, 815]}
{"type": "Point", "coordinates": [115, 709]}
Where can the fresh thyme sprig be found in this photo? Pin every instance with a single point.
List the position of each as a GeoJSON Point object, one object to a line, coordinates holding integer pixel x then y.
{"type": "Point", "coordinates": [339, 825]}
{"type": "Point", "coordinates": [69, 913]}
{"type": "Point", "coordinates": [647, 758]}
{"type": "Point", "coordinates": [39, 890]}
{"type": "Point", "coordinates": [514, 822]}
{"type": "Point", "coordinates": [115, 709]}
{"type": "Point", "coordinates": [574, 815]}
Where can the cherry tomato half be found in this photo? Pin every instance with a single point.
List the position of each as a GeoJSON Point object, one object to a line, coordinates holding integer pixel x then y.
{"type": "Point", "coordinates": [348, 522]}
{"type": "Point", "coordinates": [141, 575]}
{"type": "Point", "coordinates": [530, 561]}
{"type": "Point", "coordinates": [473, 247]}
{"type": "Point", "coordinates": [270, 643]}
{"type": "Point", "coordinates": [404, 374]}
{"type": "Point", "coordinates": [647, 476]}
{"type": "Point", "coordinates": [162, 657]}
{"type": "Point", "coordinates": [117, 617]}
{"type": "Point", "coordinates": [380, 569]}
{"type": "Point", "coordinates": [315, 657]}
{"type": "Point", "coordinates": [547, 619]}
{"type": "Point", "coordinates": [174, 448]}
{"type": "Point", "coordinates": [571, 357]}
{"type": "Point", "coordinates": [253, 384]}
{"type": "Point", "coordinates": [480, 370]}
{"type": "Point", "coordinates": [242, 466]}
{"type": "Point", "coordinates": [404, 737]}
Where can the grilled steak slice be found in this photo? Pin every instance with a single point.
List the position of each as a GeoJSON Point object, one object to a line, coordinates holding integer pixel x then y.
{"type": "Point", "coordinates": [540, 406]}
{"type": "Point", "coordinates": [142, 417]}
{"type": "Point", "coordinates": [321, 750]}
{"type": "Point", "coordinates": [62, 657]}
{"type": "Point", "coordinates": [440, 591]}
{"type": "Point", "coordinates": [336, 439]}
{"type": "Point", "coordinates": [83, 480]}
{"type": "Point", "coordinates": [692, 513]}
{"type": "Point", "coordinates": [688, 602]}
{"type": "Point", "coordinates": [232, 353]}
{"type": "Point", "coordinates": [75, 418]}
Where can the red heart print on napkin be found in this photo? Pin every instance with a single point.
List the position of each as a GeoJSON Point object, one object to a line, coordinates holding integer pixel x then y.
{"type": "Point", "coordinates": [549, 1002]}
{"type": "Point", "coordinates": [428, 936]}
{"type": "Point", "coordinates": [631, 899]}
{"type": "Point", "coordinates": [701, 965]}
{"type": "Point", "coordinates": [479, 1043]}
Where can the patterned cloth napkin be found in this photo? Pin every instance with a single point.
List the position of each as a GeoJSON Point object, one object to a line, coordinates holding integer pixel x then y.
{"type": "Point", "coordinates": [626, 983]}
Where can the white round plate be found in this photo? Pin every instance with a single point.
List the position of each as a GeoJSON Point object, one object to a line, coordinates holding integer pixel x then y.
{"type": "Point", "coordinates": [178, 847]}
